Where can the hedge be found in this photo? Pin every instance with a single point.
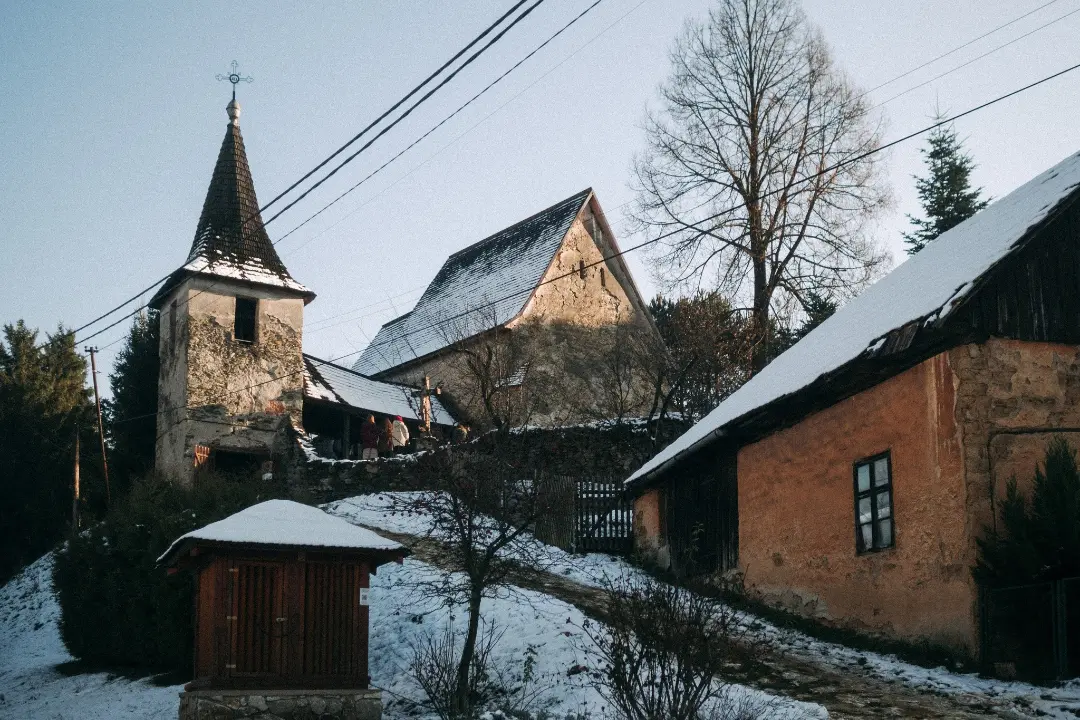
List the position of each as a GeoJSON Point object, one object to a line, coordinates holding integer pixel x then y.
{"type": "Point", "coordinates": [118, 608]}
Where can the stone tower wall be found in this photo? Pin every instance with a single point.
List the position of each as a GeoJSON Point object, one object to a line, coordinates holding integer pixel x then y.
{"type": "Point", "coordinates": [217, 391]}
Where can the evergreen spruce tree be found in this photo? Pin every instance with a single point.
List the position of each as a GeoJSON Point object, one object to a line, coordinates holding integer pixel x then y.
{"type": "Point", "coordinates": [44, 401]}
{"type": "Point", "coordinates": [134, 383]}
{"type": "Point", "coordinates": [946, 194]}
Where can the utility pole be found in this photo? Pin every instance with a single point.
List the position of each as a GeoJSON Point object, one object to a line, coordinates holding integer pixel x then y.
{"type": "Point", "coordinates": [100, 424]}
{"type": "Point", "coordinates": [75, 496]}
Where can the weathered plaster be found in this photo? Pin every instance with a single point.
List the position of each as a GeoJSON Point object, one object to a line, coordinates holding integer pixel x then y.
{"type": "Point", "coordinates": [565, 333]}
{"type": "Point", "coordinates": [650, 542]}
{"type": "Point", "coordinates": [218, 392]}
{"type": "Point", "coordinates": [797, 526]}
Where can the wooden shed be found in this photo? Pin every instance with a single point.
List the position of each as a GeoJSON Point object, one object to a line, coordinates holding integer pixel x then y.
{"type": "Point", "coordinates": [281, 598]}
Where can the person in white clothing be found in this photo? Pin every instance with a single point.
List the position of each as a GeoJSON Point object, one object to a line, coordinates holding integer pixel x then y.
{"type": "Point", "coordinates": [400, 434]}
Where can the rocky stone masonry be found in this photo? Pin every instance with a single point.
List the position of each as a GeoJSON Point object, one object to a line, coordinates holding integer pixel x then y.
{"type": "Point", "coordinates": [281, 704]}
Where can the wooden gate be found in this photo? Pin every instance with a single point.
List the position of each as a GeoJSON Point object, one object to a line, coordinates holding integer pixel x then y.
{"type": "Point", "coordinates": [605, 517]}
{"type": "Point", "coordinates": [587, 515]}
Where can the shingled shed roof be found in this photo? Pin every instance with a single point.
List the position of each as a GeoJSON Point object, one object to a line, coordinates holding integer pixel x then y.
{"type": "Point", "coordinates": [921, 293]}
{"type": "Point", "coordinates": [483, 286]}
{"type": "Point", "coordinates": [326, 381]}
{"type": "Point", "coordinates": [230, 239]}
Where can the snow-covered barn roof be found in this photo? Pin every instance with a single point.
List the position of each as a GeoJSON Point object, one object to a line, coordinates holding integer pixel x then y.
{"type": "Point", "coordinates": [284, 523]}
{"type": "Point", "coordinates": [923, 290]}
{"type": "Point", "coordinates": [230, 240]}
{"type": "Point", "coordinates": [461, 301]}
{"type": "Point", "coordinates": [324, 380]}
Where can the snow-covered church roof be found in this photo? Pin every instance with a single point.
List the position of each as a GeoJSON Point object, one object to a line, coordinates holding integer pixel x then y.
{"type": "Point", "coordinates": [486, 285]}
{"type": "Point", "coordinates": [284, 523]}
{"type": "Point", "coordinates": [230, 240]}
{"type": "Point", "coordinates": [926, 288]}
{"type": "Point", "coordinates": [324, 380]}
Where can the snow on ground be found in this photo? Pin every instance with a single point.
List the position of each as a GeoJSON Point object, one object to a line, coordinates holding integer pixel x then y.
{"type": "Point", "coordinates": [536, 624]}
{"type": "Point", "coordinates": [376, 511]}
{"type": "Point", "coordinates": [30, 650]}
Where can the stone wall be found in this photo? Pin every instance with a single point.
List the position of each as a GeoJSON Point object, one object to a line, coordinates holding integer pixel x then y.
{"type": "Point", "coordinates": [221, 393]}
{"type": "Point", "coordinates": [577, 337]}
{"type": "Point", "coordinates": [1013, 397]}
{"type": "Point", "coordinates": [612, 451]}
{"type": "Point", "coordinates": [281, 704]}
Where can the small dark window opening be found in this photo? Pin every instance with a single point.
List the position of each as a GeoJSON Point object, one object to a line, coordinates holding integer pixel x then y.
{"type": "Point", "coordinates": [874, 504]}
{"type": "Point", "coordinates": [581, 269]}
{"type": "Point", "coordinates": [244, 328]}
{"type": "Point", "coordinates": [172, 324]}
{"type": "Point", "coordinates": [603, 278]}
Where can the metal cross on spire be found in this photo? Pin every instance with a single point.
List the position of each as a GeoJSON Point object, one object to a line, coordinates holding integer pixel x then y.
{"type": "Point", "coordinates": [235, 77]}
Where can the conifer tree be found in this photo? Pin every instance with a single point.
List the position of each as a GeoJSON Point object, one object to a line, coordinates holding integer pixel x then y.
{"type": "Point", "coordinates": [946, 194]}
{"type": "Point", "coordinates": [44, 401]}
{"type": "Point", "coordinates": [130, 414]}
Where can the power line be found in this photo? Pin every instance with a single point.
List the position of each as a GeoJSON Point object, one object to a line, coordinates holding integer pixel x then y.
{"type": "Point", "coordinates": [401, 102]}
{"type": "Point", "coordinates": [383, 132]}
{"type": "Point", "coordinates": [476, 40]}
{"type": "Point", "coordinates": [341, 149]}
{"type": "Point", "coordinates": [957, 49]}
{"type": "Point", "coordinates": [438, 125]}
{"type": "Point", "coordinates": [832, 168]}
{"type": "Point", "coordinates": [979, 57]}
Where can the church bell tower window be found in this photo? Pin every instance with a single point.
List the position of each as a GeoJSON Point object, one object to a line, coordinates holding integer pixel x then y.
{"type": "Point", "coordinates": [244, 327]}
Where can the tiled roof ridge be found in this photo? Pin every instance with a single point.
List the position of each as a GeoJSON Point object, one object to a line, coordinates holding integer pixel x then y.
{"type": "Point", "coordinates": [230, 227]}
{"type": "Point", "coordinates": [495, 235]}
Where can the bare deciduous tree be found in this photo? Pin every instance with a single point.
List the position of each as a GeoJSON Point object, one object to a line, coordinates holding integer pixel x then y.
{"type": "Point", "coordinates": [483, 510]}
{"type": "Point", "coordinates": [755, 168]}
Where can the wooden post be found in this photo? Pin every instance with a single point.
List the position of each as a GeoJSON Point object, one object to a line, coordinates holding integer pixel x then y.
{"type": "Point", "coordinates": [425, 405]}
{"type": "Point", "coordinates": [75, 495]}
{"type": "Point", "coordinates": [346, 434]}
{"type": "Point", "coordinates": [101, 425]}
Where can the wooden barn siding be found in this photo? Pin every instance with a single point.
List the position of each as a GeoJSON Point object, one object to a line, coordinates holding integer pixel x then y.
{"type": "Point", "coordinates": [1034, 295]}
{"type": "Point", "coordinates": [321, 639]}
{"type": "Point", "coordinates": [702, 513]}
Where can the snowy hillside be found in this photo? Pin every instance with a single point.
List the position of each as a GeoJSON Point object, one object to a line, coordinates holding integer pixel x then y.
{"type": "Point", "coordinates": [30, 649]}
{"type": "Point", "coordinates": [537, 625]}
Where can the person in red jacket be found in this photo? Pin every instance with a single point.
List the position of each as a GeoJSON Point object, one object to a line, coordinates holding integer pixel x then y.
{"type": "Point", "coordinates": [369, 439]}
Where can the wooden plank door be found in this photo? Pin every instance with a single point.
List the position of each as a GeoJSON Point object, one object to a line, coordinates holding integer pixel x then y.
{"type": "Point", "coordinates": [257, 619]}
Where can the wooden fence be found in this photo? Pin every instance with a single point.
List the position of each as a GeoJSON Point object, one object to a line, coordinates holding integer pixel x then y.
{"type": "Point", "coordinates": [587, 515]}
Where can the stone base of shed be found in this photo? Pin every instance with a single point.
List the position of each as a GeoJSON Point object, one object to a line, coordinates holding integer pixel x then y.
{"type": "Point", "coordinates": [281, 704]}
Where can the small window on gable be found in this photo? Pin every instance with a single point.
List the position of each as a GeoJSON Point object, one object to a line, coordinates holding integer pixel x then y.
{"type": "Point", "coordinates": [581, 269]}
{"type": "Point", "coordinates": [172, 324]}
{"type": "Point", "coordinates": [603, 278]}
{"type": "Point", "coordinates": [244, 327]}
{"type": "Point", "coordinates": [874, 504]}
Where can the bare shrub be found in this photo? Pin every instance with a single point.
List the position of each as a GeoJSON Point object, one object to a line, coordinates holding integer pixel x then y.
{"type": "Point", "coordinates": [664, 652]}
{"type": "Point", "coordinates": [503, 690]}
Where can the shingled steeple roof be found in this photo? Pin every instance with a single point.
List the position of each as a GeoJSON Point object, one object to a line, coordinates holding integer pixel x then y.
{"type": "Point", "coordinates": [230, 239]}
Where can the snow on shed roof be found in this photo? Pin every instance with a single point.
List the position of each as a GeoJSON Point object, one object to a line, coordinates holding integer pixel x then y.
{"type": "Point", "coordinates": [928, 286]}
{"type": "Point", "coordinates": [324, 380]}
{"type": "Point", "coordinates": [285, 523]}
{"type": "Point", "coordinates": [510, 262]}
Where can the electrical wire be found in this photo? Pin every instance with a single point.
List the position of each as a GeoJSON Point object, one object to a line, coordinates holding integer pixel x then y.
{"type": "Point", "coordinates": [826, 171]}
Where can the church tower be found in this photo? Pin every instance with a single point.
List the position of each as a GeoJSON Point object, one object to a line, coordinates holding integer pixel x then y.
{"type": "Point", "coordinates": [231, 320]}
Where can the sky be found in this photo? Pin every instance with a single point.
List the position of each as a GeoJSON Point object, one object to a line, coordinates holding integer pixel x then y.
{"type": "Point", "coordinates": [111, 120]}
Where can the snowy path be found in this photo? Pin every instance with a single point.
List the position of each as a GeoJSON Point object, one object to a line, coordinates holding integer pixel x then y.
{"type": "Point", "coordinates": [849, 683]}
